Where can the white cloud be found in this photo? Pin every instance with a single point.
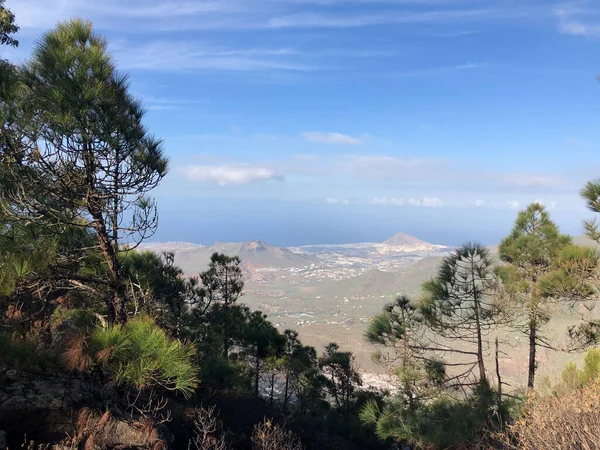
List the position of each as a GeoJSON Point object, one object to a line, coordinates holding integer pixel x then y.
{"type": "Point", "coordinates": [513, 204]}
{"type": "Point", "coordinates": [388, 201]}
{"type": "Point", "coordinates": [230, 174]}
{"type": "Point", "coordinates": [549, 205]}
{"type": "Point", "coordinates": [568, 24]}
{"type": "Point", "coordinates": [478, 203]}
{"type": "Point", "coordinates": [330, 138]}
{"type": "Point", "coordinates": [426, 202]}
{"type": "Point", "coordinates": [336, 201]}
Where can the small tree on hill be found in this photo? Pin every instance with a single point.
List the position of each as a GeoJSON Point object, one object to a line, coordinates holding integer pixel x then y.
{"type": "Point", "coordinates": [342, 377]}
{"type": "Point", "coordinates": [223, 280]}
{"type": "Point", "coordinates": [402, 330]}
{"type": "Point", "coordinates": [297, 361]}
{"type": "Point", "coordinates": [222, 285]}
{"type": "Point", "coordinates": [259, 342]}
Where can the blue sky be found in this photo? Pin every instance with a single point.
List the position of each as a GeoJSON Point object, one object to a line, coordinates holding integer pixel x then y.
{"type": "Point", "coordinates": [327, 121]}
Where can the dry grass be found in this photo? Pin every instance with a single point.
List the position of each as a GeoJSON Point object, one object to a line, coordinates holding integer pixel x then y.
{"type": "Point", "coordinates": [567, 420]}
{"type": "Point", "coordinates": [75, 356]}
{"type": "Point", "coordinates": [268, 436]}
{"type": "Point", "coordinates": [208, 431]}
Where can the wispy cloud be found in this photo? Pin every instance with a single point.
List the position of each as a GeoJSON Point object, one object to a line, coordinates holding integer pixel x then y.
{"type": "Point", "coordinates": [528, 180]}
{"type": "Point", "coordinates": [569, 23]}
{"type": "Point", "coordinates": [42, 14]}
{"type": "Point", "coordinates": [381, 167]}
{"type": "Point", "coordinates": [224, 175]}
{"type": "Point", "coordinates": [187, 56]}
{"type": "Point", "coordinates": [265, 14]}
{"type": "Point", "coordinates": [330, 138]}
{"type": "Point", "coordinates": [337, 20]}
{"type": "Point", "coordinates": [166, 103]}
{"type": "Point", "coordinates": [433, 71]}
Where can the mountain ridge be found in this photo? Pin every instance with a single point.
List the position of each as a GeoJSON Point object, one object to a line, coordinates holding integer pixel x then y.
{"type": "Point", "coordinates": [254, 255]}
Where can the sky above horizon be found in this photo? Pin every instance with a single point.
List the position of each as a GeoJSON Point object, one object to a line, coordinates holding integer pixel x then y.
{"type": "Point", "coordinates": [333, 121]}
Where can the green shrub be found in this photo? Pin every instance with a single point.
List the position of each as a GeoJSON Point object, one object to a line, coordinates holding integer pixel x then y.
{"type": "Point", "coordinates": [573, 377]}
{"type": "Point", "coordinates": [21, 353]}
{"type": "Point", "coordinates": [138, 354]}
{"type": "Point", "coordinates": [441, 423]}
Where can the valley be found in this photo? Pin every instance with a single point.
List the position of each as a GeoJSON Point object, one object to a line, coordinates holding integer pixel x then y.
{"type": "Point", "coordinates": [325, 292]}
{"type": "Point", "coordinates": [330, 292]}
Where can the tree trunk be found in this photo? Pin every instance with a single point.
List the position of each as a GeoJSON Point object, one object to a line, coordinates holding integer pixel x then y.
{"type": "Point", "coordinates": [256, 375]}
{"type": "Point", "coordinates": [272, 388]}
{"type": "Point", "coordinates": [532, 352]}
{"type": "Point", "coordinates": [477, 308]}
{"type": "Point", "coordinates": [335, 391]}
{"type": "Point", "coordinates": [285, 392]}
{"type": "Point", "coordinates": [119, 302]}
{"type": "Point", "coordinates": [480, 362]}
{"type": "Point", "coordinates": [118, 312]}
{"type": "Point", "coordinates": [498, 374]}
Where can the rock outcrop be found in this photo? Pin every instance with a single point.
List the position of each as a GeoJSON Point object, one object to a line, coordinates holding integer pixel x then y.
{"type": "Point", "coordinates": [70, 411]}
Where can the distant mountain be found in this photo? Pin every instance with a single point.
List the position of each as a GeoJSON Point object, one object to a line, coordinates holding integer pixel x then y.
{"type": "Point", "coordinates": [404, 240]}
{"type": "Point", "coordinates": [168, 246]}
{"type": "Point", "coordinates": [254, 255]}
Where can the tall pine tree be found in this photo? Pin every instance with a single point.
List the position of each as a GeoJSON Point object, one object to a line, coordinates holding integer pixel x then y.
{"type": "Point", "coordinates": [531, 251]}
{"type": "Point", "coordinates": [89, 162]}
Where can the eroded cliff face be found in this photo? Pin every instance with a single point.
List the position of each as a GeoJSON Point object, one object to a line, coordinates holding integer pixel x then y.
{"type": "Point", "coordinates": [69, 412]}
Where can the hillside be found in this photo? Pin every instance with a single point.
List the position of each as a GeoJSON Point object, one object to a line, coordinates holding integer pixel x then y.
{"type": "Point", "coordinates": [585, 241]}
{"type": "Point", "coordinates": [375, 283]}
{"type": "Point", "coordinates": [255, 255]}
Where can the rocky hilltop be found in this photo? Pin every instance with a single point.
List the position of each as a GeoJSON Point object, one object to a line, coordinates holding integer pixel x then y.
{"type": "Point", "coordinates": [402, 239]}
{"type": "Point", "coordinates": [402, 242]}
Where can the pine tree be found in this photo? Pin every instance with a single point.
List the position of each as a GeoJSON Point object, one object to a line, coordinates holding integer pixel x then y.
{"type": "Point", "coordinates": [89, 161]}
{"type": "Point", "coordinates": [455, 316]}
{"type": "Point", "coordinates": [460, 305]}
{"type": "Point", "coordinates": [531, 251]}
{"type": "Point", "coordinates": [222, 286]}
{"type": "Point", "coordinates": [341, 375]}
